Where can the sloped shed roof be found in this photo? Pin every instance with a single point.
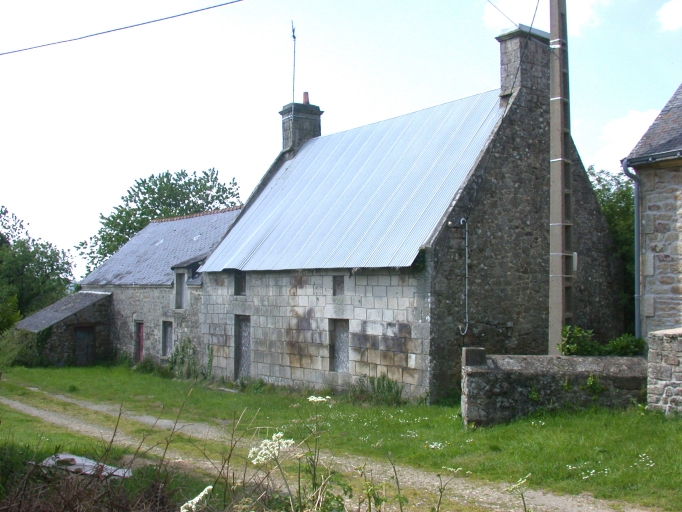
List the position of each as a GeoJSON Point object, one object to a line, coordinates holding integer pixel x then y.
{"type": "Point", "coordinates": [147, 258]}
{"type": "Point", "coordinates": [665, 134]}
{"type": "Point", "coordinates": [60, 310]}
{"type": "Point", "coordinates": [367, 197]}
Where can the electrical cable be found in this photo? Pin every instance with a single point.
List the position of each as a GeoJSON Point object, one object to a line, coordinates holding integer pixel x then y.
{"type": "Point", "coordinates": [121, 28]}
{"type": "Point", "coordinates": [503, 14]}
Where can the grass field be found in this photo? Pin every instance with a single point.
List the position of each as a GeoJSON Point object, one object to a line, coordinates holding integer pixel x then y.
{"type": "Point", "coordinates": [628, 455]}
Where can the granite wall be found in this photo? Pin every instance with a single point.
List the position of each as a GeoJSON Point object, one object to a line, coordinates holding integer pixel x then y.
{"type": "Point", "coordinates": [664, 391]}
{"type": "Point", "coordinates": [499, 388]}
{"type": "Point", "coordinates": [661, 248]}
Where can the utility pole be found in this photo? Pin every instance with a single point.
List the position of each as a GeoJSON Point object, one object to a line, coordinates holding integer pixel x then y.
{"type": "Point", "coordinates": [561, 261]}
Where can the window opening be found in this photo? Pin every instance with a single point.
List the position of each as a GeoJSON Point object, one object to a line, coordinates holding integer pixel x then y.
{"type": "Point", "coordinates": [338, 346]}
{"type": "Point", "coordinates": [239, 283]}
{"type": "Point", "coordinates": [139, 341]}
{"type": "Point", "coordinates": [180, 279]}
{"type": "Point", "coordinates": [166, 338]}
{"type": "Point", "coordinates": [242, 347]}
{"type": "Point", "coordinates": [338, 285]}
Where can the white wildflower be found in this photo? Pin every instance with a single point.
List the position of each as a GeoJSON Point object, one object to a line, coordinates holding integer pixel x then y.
{"type": "Point", "coordinates": [316, 399]}
{"type": "Point", "coordinates": [270, 449]}
{"type": "Point", "coordinates": [190, 506]}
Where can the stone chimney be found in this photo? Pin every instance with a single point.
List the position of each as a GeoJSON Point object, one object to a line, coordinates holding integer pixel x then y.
{"type": "Point", "coordinates": [533, 75]}
{"type": "Point", "coordinates": [303, 125]}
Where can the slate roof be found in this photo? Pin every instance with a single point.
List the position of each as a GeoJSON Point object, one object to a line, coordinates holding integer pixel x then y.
{"type": "Point", "coordinates": [148, 257]}
{"type": "Point", "coordinates": [665, 134]}
{"type": "Point", "coordinates": [60, 310]}
{"type": "Point", "coordinates": [367, 197]}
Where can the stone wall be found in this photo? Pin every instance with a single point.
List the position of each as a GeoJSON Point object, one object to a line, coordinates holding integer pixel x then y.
{"type": "Point", "coordinates": [664, 391]}
{"type": "Point", "coordinates": [506, 204]}
{"type": "Point", "coordinates": [661, 259]}
{"type": "Point", "coordinates": [500, 388]}
{"type": "Point", "coordinates": [60, 345]}
{"type": "Point", "coordinates": [295, 318]}
{"type": "Point", "coordinates": [152, 305]}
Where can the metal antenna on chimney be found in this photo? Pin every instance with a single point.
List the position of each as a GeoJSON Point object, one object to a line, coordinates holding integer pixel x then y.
{"type": "Point", "coordinates": [293, 80]}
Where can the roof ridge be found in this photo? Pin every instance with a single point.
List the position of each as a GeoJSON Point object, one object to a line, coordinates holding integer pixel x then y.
{"type": "Point", "coordinates": [200, 214]}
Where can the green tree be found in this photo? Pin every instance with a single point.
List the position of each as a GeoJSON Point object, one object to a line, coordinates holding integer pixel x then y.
{"type": "Point", "coordinates": [163, 195]}
{"type": "Point", "coordinates": [33, 273]}
{"type": "Point", "coordinates": [615, 194]}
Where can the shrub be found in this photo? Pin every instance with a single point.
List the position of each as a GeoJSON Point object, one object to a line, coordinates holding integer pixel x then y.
{"type": "Point", "coordinates": [626, 345]}
{"type": "Point", "coordinates": [185, 364]}
{"type": "Point", "coordinates": [576, 341]}
{"type": "Point", "coordinates": [377, 390]}
{"type": "Point", "coordinates": [23, 348]}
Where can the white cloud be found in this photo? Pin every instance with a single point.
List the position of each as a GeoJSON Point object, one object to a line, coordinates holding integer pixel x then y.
{"type": "Point", "coordinates": [670, 15]}
{"type": "Point", "coordinates": [580, 13]}
{"type": "Point", "coordinates": [618, 138]}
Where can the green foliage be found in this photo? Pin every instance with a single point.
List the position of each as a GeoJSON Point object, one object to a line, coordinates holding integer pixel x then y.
{"type": "Point", "coordinates": [594, 386]}
{"type": "Point", "coordinates": [580, 342]}
{"type": "Point", "coordinates": [23, 348]}
{"type": "Point", "coordinates": [626, 345]}
{"type": "Point", "coordinates": [158, 196]}
{"type": "Point", "coordinates": [576, 341]}
{"type": "Point", "coordinates": [377, 390]}
{"type": "Point", "coordinates": [185, 364]}
{"type": "Point", "coordinates": [9, 312]}
{"type": "Point", "coordinates": [33, 273]}
{"type": "Point", "coordinates": [615, 194]}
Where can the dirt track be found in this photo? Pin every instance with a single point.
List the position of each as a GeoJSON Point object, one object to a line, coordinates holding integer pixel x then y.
{"type": "Point", "coordinates": [422, 485]}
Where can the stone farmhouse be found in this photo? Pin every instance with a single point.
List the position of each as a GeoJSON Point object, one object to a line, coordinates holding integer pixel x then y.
{"type": "Point", "coordinates": [141, 300]}
{"type": "Point", "coordinates": [657, 161]}
{"type": "Point", "coordinates": [155, 287]}
{"type": "Point", "coordinates": [383, 249]}
{"type": "Point", "coordinates": [389, 247]}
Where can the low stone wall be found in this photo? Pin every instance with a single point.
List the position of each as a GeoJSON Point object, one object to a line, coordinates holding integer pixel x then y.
{"type": "Point", "coordinates": [499, 388]}
{"type": "Point", "coordinates": [664, 388]}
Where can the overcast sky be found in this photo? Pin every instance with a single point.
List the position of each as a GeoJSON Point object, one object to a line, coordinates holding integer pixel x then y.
{"type": "Point", "coordinates": [80, 122]}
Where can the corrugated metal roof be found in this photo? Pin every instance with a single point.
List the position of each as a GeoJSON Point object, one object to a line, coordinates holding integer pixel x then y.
{"type": "Point", "coordinates": [665, 134]}
{"type": "Point", "coordinates": [147, 258]}
{"type": "Point", "coordinates": [367, 197]}
{"type": "Point", "coordinates": [60, 310]}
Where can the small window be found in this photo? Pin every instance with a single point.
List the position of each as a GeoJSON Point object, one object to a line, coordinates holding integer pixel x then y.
{"type": "Point", "coordinates": [139, 341]}
{"type": "Point", "coordinates": [338, 346]}
{"type": "Point", "coordinates": [338, 285]}
{"type": "Point", "coordinates": [166, 338]}
{"type": "Point", "coordinates": [180, 290]}
{"type": "Point", "coordinates": [239, 283]}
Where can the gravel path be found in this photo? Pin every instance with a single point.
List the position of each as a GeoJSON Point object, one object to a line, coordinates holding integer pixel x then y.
{"type": "Point", "coordinates": [486, 495]}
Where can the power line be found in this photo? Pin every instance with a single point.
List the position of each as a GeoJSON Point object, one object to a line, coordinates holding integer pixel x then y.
{"type": "Point", "coordinates": [121, 28]}
{"type": "Point", "coordinates": [503, 14]}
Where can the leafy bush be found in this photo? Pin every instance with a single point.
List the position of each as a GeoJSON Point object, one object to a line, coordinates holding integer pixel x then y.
{"type": "Point", "coordinates": [23, 348]}
{"type": "Point", "coordinates": [576, 341]}
{"type": "Point", "coordinates": [580, 342]}
{"type": "Point", "coordinates": [185, 363]}
{"type": "Point", "coordinates": [626, 345]}
{"type": "Point", "coordinates": [377, 390]}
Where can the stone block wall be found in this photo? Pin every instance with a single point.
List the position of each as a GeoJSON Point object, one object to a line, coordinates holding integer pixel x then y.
{"type": "Point", "coordinates": [60, 346]}
{"type": "Point", "coordinates": [295, 318]}
{"type": "Point", "coordinates": [497, 388]}
{"type": "Point", "coordinates": [152, 305]}
{"type": "Point", "coordinates": [661, 258]}
{"type": "Point", "coordinates": [664, 390]}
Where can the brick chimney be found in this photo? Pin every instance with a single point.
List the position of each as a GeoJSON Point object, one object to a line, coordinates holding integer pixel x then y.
{"type": "Point", "coordinates": [534, 70]}
{"type": "Point", "coordinates": [303, 125]}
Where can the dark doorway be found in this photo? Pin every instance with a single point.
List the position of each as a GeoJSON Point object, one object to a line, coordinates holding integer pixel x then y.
{"type": "Point", "coordinates": [242, 347]}
{"type": "Point", "coordinates": [338, 346]}
{"type": "Point", "coordinates": [84, 346]}
{"type": "Point", "coordinates": [139, 341]}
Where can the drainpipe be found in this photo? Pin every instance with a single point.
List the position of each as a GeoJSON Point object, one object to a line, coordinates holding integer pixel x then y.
{"type": "Point", "coordinates": [635, 179]}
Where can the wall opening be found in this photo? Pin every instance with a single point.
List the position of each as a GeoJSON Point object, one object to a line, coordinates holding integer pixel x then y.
{"type": "Point", "coordinates": [166, 338]}
{"type": "Point", "coordinates": [338, 346]}
{"type": "Point", "coordinates": [242, 347]}
{"type": "Point", "coordinates": [180, 279]}
{"type": "Point", "coordinates": [338, 285]}
{"type": "Point", "coordinates": [239, 283]}
{"type": "Point", "coordinates": [139, 341]}
{"type": "Point", "coordinates": [84, 345]}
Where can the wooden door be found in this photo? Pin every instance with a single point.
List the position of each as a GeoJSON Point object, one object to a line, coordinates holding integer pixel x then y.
{"type": "Point", "coordinates": [139, 341]}
{"type": "Point", "coordinates": [84, 345]}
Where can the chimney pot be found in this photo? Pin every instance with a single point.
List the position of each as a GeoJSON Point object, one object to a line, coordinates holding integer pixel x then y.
{"type": "Point", "coordinates": [306, 101]}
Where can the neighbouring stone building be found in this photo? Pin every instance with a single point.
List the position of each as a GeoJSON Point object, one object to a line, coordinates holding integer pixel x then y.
{"type": "Point", "coordinates": [154, 285]}
{"type": "Point", "coordinates": [657, 160]}
{"type": "Point", "coordinates": [389, 247]}
{"type": "Point", "coordinates": [73, 330]}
